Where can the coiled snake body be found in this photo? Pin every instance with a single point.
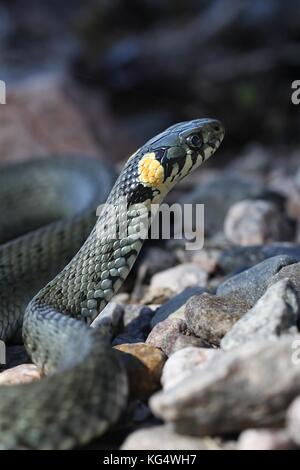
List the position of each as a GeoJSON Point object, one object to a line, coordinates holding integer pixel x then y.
{"type": "Point", "coordinates": [85, 388]}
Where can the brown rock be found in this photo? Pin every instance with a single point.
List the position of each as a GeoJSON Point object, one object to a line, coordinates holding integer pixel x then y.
{"type": "Point", "coordinates": [143, 364]}
{"type": "Point", "coordinates": [210, 317]}
{"type": "Point", "coordinates": [167, 334]}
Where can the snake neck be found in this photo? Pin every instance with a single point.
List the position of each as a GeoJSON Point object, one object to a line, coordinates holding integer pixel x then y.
{"type": "Point", "coordinates": [95, 274]}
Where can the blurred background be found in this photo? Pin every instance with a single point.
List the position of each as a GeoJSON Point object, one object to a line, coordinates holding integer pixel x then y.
{"type": "Point", "coordinates": [141, 65]}
{"type": "Point", "coordinates": [100, 77]}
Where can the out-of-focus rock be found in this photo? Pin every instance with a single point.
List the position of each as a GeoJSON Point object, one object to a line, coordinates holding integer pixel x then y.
{"type": "Point", "coordinates": [137, 412]}
{"type": "Point", "coordinates": [45, 120]}
{"type": "Point", "coordinates": [188, 340]}
{"type": "Point", "coordinates": [254, 222]}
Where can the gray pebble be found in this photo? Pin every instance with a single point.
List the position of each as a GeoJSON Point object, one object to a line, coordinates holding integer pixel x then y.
{"type": "Point", "coordinates": [253, 282]}
{"type": "Point", "coordinates": [274, 314]}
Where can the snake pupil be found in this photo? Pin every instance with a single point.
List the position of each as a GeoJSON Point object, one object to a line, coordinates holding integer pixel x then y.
{"type": "Point", "coordinates": [194, 141]}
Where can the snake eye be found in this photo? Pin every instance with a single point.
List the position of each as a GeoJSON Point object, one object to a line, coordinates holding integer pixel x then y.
{"type": "Point", "coordinates": [194, 141]}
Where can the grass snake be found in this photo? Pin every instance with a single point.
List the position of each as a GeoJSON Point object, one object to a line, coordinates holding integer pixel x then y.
{"type": "Point", "coordinates": [60, 266]}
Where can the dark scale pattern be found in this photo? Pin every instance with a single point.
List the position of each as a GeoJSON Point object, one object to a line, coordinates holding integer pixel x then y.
{"type": "Point", "coordinates": [87, 389]}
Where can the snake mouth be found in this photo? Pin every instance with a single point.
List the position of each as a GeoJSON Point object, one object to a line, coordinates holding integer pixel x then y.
{"type": "Point", "coordinates": [216, 135]}
{"type": "Point", "coordinates": [214, 143]}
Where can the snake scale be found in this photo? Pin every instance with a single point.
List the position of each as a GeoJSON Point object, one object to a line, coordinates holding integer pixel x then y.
{"type": "Point", "coordinates": [49, 230]}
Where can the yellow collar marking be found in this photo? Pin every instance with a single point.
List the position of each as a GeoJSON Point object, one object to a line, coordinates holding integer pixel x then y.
{"type": "Point", "coordinates": [151, 172]}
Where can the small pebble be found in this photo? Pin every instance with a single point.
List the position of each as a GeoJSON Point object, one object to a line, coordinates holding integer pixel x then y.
{"type": "Point", "coordinates": [144, 364]}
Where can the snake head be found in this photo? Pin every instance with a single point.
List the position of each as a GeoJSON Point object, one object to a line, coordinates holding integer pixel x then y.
{"type": "Point", "coordinates": [178, 150]}
{"type": "Point", "coordinates": [167, 158]}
